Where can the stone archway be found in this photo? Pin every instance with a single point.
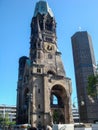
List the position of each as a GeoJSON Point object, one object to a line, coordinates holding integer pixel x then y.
{"type": "Point", "coordinates": [59, 108]}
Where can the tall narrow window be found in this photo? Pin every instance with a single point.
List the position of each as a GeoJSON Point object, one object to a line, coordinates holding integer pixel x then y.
{"type": "Point", "coordinates": [39, 45]}
{"type": "Point", "coordinates": [38, 55]}
{"type": "Point", "coordinates": [39, 106]}
{"type": "Point", "coordinates": [38, 70]}
{"type": "Point", "coordinates": [38, 90]}
{"type": "Point", "coordinates": [49, 56]}
{"type": "Point", "coordinates": [55, 100]}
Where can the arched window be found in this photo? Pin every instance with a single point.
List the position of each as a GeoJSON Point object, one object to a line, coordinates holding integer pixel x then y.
{"type": "Point", "coordinates": [55, 100]}
{"type": "Point", "coordinates": [57, 97]}
{"type": "Point", "coordinates": [50, 72]}
{"type": "Point", "coordinates": [49, 56]}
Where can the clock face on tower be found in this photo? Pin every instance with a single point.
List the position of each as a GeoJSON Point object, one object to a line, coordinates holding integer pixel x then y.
{"type": "Point", "coordinates": [48, 46]}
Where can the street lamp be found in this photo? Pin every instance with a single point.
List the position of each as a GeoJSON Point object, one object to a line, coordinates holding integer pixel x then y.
{"type": "Point", "coordinates": [82, 103]}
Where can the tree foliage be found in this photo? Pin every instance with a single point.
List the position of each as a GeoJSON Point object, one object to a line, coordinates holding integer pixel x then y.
{"type": "Point", "coordinates": [1, 119]}
{"type": "Point", "coordinates": [91, 88]}
{"type": "Point", "coordinates": [55, 116]}
{"type": "Point", "coordinates": [5, 121]}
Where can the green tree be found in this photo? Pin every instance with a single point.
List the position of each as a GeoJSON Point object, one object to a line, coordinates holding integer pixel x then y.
{"type": "Point", "coordinates": [92, 82]}
{"type": "Point", "coordinates": [1, 119]}
{"type": "Point", "coordinates": [7, 120]}
{"type": "Point", "coordinates": [55, 116]}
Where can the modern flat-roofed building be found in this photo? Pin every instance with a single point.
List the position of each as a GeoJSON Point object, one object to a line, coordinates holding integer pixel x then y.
{"type": "Point", "coordinates": [10, 110]}
{"type": "Point", "coordinates": [84, 65]}
{"type": "Point", "coordinates": [75, 113]}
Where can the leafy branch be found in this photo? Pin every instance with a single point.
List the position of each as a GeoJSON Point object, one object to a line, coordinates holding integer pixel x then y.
{"type": "Point", "coordinates": [5, 121]}
{"type": "Point", "coordinates": [91, 88]}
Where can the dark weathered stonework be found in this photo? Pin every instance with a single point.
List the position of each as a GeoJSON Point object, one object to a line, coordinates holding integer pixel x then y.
{"type": "Point", "coordinates": [42, 75]}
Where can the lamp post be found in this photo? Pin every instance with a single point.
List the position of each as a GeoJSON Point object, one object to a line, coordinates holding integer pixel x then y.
{"type": "Point", "coordinates": [82, 103]}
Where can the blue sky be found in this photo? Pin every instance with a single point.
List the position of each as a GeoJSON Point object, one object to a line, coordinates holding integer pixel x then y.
{"type": "Point", "coordinates": [15, 19]}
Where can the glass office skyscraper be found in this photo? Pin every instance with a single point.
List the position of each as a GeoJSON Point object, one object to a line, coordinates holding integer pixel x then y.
{"type": "Point", "coordinates": [84, 65]}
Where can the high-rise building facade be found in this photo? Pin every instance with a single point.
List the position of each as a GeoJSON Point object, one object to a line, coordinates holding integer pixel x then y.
{"type": "Point", "coordinates": [42, 77]}
{"type": "Point", "coordinates": [85, 66]}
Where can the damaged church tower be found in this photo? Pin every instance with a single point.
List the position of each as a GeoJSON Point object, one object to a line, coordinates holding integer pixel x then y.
{"type": "Point", "coordinates": [42, 77]}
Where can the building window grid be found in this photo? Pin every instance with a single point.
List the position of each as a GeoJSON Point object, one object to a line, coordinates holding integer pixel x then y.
{"type": "Point", "coordinates": [8, 110]}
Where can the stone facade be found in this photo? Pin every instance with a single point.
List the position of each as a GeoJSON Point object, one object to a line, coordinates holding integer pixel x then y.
{"type": "Point", "coordinates": [42, 76]}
